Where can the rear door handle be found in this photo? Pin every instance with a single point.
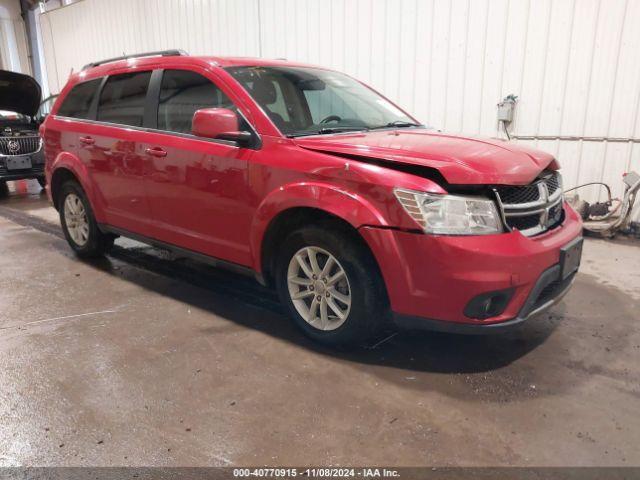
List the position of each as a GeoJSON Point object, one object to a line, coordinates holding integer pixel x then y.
{"type": "Point", "coordinates": [87, 140]}
{"type": "Point", "coordinates": [155, 152]}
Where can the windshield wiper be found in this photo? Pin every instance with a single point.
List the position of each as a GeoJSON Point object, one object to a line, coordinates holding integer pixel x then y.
{"type": "Point", "coordinates": [327, 131]}
{"type": "Point", "coordinates": [397, 124]}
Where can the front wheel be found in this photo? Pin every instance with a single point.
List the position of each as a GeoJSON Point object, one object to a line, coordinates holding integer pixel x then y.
{"type": "Point", "coordinates": [79, 224]}
{"type": "Point", "coordinates": [331, 285]}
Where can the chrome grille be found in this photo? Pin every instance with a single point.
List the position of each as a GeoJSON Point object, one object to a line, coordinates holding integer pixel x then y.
{"type": "Point", "coordinates": [524, 222]}
{"type": "Point", "coordinates": [528, 193]}
{"type": "Point", "coordinates": [553, 183]}
{"type": "Point", "coordinates": [533, 208]}
{"type": "Point", "coordinates": [19, 145]}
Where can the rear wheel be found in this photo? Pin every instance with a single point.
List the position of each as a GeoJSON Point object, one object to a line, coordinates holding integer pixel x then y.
{"type": "Point", "coordinates": [79, 224]}
{"type": "Point", "coordinates": [331, 285]}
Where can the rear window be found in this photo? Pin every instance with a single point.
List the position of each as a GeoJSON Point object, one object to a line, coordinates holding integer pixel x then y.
{"type": "Point", "coordinates": [78, 102]}
{"type": "Point", "coordinates": [123, 97]}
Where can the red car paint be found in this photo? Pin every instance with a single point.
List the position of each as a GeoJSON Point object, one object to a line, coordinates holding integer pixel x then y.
{"type": "Point", "coordinates": [465, 266]}
{"type": "Point", "coordinates": [461, 160]}
{"type": "Point", "coordinates": [219, 199]}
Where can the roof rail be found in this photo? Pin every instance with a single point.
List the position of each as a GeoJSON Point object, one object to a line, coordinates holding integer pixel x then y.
{"type": "Point", "coordinates": [159, 53]}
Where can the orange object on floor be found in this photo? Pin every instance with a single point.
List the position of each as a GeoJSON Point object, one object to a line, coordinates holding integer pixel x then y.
{"type": "Point", "coordinates": [21, 186]}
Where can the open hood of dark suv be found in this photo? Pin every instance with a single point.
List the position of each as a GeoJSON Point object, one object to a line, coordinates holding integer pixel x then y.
{"type": "Point", "coordinates": [459, 159]}
{"type": "Point", "coordinates": [19, 93]}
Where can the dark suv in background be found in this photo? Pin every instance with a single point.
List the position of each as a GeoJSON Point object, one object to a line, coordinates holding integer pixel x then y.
{"type": "Point", "coordinates": [21, 154]}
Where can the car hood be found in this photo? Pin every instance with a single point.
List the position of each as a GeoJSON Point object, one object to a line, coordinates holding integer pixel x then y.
{"type": "Point", "coordinates": [460, 160]}
{"type": "Point", "coordinates": [19, 93]}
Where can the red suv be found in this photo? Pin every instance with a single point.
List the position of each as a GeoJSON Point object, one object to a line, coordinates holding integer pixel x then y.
{"type": "Point", "coordinates": [314, 183]}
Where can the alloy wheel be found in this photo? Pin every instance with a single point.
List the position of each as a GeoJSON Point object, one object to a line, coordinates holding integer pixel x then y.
{"type": "Point", "coordinates": [75, 217]}
{"type": "Point", "coordinates": [319, 288]}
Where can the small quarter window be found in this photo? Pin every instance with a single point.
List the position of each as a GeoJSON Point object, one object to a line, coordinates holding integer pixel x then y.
{"type": "Point", "coordinates": [123, 97]}
{"type": "Point", "coordinates": [78, 102]}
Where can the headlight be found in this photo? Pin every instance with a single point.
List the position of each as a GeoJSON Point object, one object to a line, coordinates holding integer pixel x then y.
{"type": "Point", "coordinates": [451, 214]}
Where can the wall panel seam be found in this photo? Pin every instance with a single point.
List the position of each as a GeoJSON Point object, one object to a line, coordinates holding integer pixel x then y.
{"type": "Point", "coordinates": [586, 110]}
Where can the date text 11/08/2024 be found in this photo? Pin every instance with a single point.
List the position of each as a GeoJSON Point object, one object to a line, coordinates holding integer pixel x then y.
{"type": "Point", "coordinates": [316, 472]}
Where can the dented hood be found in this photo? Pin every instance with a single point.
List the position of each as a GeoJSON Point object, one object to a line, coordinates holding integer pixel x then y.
{"type": "Point", "coordinates": [19, 93]}
{"type": "Point", "coordinates": [460, 160]}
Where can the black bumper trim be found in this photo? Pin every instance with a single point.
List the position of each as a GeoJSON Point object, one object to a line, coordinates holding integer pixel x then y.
{"type": "Point", "coordinates": [531, 308]}
{"type": "Point", "coordinates": [37, 169]}
{"type": "Point", "coordinates": [21, 176]}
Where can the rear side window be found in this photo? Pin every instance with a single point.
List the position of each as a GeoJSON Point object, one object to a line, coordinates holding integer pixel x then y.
{"type": "Point", "coordinates": [123, 97]}
{"type": "Point", "coordinates": [78, 102]}
{"type": "Point", "coordinates": [182, 92]}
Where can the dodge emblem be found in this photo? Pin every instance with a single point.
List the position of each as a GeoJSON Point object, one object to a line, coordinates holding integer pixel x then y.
{"type": "Point", "coordinates": [13, 146]}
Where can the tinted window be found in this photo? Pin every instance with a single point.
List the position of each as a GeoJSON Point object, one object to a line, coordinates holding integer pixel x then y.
{"type": "Point", "coordinates": [122, 99]}
{"type": "Point", "coordinates": [79, 99]}
{"type": "Point", "coordinates": [181, 94]}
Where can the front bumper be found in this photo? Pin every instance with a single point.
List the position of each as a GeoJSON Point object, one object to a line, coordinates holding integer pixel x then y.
{"type": "Point", "coordinates": [36, 170]}
{"type": "Point", "coordinates": [431, 279]}
{"type": "Point", "coordinates": [547, 291]}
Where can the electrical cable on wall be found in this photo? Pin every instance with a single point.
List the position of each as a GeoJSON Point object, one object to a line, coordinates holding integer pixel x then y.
{"type": "Point", "coordinates": [505, 112]}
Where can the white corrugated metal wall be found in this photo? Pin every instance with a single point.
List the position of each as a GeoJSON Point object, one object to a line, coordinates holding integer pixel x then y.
{"type": "Point", "coordinates": [13, 39]}
{"type": "Point", "coordinates": [573, 63]}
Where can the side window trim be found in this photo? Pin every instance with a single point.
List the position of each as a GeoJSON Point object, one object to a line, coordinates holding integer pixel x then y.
{"type": "Point", "coordinates": [151, 105]}
{"type": "Point", "coordinates": [152, 101]}
{"type": "Point", "coordinates": [93, 109]}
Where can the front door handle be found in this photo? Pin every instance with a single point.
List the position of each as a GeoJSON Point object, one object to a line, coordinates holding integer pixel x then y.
{"type": "Point", "coordinates": [155, 152]}
{"type": "Point", "coordinates": [87, 140]}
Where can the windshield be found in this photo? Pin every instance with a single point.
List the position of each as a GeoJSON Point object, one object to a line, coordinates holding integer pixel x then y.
{"type": "Point", "coordinates": [308, 101]}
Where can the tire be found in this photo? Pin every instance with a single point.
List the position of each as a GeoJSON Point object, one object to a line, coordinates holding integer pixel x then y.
{"type": "Point", "coordinates": [79, 223]}
{"type": "Point", "coordinates": [4, 189]}
{"type": "Point", "coordinates": [42, 181]}
{"type": "Point", "coordinates": [367, 310]}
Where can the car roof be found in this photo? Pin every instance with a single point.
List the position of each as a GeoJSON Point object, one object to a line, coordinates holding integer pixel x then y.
{"type": "Point", "coordinates": [172, 61]}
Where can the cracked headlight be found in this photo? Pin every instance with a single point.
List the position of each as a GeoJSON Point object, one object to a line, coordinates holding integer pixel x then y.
{"type": "Point", "coordinates": [451, 214]}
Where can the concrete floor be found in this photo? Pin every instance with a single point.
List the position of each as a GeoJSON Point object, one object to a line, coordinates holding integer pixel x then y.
{"type": "Point", "coordinates": [141, 360]}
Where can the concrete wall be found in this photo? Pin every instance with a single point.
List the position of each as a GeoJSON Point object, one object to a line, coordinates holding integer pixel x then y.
{"type": "Point", "coordinates": [573, 63]}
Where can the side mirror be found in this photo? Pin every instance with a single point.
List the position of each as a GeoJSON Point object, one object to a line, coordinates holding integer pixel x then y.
{"type": "Point", "coordinates": [220, 123]}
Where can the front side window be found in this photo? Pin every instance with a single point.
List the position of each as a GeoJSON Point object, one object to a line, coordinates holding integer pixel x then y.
{"type": "Point", "coordinates": [309, 101]}
{"type": "Point", "coordinates": [182, 92]}
{"type": "Point", "coordinates": [78, 102]}
{"type": "Point", "coordinates": [123, 97]}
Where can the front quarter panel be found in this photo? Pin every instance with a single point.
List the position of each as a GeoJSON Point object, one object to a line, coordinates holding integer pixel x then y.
{"type": "Point", "coordinates": [322, 196]}
{"type": "Point", "coordinates": [354, 191]}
